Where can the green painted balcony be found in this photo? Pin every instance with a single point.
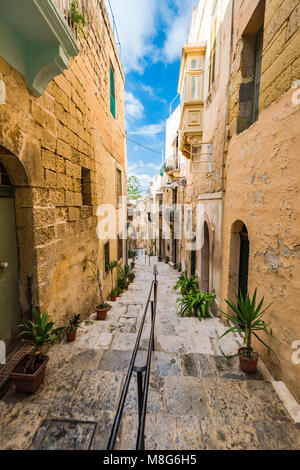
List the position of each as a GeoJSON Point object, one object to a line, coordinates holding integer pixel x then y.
{"type": "Point", "coordinates": [37, 39]}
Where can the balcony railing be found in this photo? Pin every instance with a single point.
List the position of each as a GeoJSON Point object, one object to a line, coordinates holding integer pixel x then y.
{"type": "Point", "coordinates": [65, 8]}
{"type": "Point", "coordinates": [172, 164]}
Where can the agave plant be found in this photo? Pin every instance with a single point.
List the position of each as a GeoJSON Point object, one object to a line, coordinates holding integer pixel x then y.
{"type": "Point", "coordinates": [247, 317]}
{"type": "Point", "coordinates": [186, 284]}
{"type": "Point", "coordinates": [196, 303]}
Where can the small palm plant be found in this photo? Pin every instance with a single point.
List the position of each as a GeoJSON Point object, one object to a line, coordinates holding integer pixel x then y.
{"type": "Point", "coordinates": [247, 317]}
{"type": "Point", "coordinates": [196, 303]}
{"type": "Point", "coordinates": [38, 334]}
{"type": "Point", "coordinates": [186, 284]}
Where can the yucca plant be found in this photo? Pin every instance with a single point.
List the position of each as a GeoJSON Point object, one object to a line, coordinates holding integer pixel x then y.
{"type": "Point", "coordinates": [247, 317]}
{"type": "Point", "coordinates": [186, 284]}
{"type": "Point", "coordinates": [196, 303]}
{"type": "Point", "coordinates": [111, 267]}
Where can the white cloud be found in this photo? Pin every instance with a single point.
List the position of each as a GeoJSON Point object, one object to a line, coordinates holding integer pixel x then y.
{"type": "Point", "coordinates": [133, 106]}
{"type": "Point", "coordinates": [149, 130]}
{"type": "Point", "coordinates": [135, 21]}
{"type": "Point", "coordinates": [139, 21]}
{"type": "Point", "coordinates": [178, 21]}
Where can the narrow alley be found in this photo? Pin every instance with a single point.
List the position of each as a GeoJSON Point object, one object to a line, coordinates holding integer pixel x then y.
{"type": "Point", "coordinates": [198, 399]}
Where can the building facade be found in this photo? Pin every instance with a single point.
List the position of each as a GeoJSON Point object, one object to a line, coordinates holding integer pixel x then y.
{"type": "Point", "coordinates": [239, 133]}
{"type": "Point", "coordinates": [62, 155]}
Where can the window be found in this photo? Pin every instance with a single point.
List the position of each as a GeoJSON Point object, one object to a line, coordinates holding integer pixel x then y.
{"type": "Point", "coordinates": [196, 82]}
{"type": "Point", "coordinates": [106, 256]}
{"type": "Point", "coordinates": [257, 72]}
{"type": "Point", "coordinates": [196, 64]}
{"type": "Point", "coordinates": [112, 92]}
{"type": "Point", "coordinates": [4, 178]}
{"type": "Point", "coordinates": [213, 47]}
{"type": "Point", "coordinates": [86, 188]}
{"type": "Point", "coordinates": [251, 61]}
{"type": "Point", "coordinates": [118, 185]}
{"type": "Point", "coordinates": [120, 247]}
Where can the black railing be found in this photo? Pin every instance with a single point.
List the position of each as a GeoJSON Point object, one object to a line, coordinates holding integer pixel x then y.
{"type": "Point", "coordinates": [142, 383]}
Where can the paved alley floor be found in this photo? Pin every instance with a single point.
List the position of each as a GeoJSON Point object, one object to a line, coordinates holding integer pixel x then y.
{"type": "Point", "coordinates": [197, 399]}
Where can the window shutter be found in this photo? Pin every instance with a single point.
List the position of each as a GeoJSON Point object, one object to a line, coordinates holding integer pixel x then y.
{"type": "Point", "coordinates": [112, 93]}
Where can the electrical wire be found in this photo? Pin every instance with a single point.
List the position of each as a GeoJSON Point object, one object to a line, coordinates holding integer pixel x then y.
{"type": "Point", "coordinates": [143, 146]}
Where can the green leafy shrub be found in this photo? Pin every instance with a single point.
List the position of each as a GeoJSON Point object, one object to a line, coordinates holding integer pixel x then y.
{"type": "Point", "coordinates": [196, 303]}
{"type": "Point", "coordinates": [186, 284]}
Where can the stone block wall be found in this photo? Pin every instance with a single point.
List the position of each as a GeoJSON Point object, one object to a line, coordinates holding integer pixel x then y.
{"type": "Point", "coordinates": [45, 142]}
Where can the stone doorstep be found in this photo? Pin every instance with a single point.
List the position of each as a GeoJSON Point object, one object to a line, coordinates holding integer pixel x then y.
{"type": "Point", "coordinates": [5, 371]}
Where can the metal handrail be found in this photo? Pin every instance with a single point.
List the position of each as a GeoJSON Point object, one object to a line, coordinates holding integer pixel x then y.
{"type": "Point", "coordinates": [142, 388]}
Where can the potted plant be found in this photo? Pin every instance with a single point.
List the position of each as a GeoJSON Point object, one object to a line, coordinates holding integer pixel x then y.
{"type": "Point", "coordinates": [102, 308]}
{"type": "Point", "coordinates": [30, 371]}
{"type": "Point", "coordinates": [196, 303]}
{"type": "Point", "coordinates": [247, 317]}
{"type": "Point", "coordinates": [133, 256]}
{"type": "Point", "coordinates": [186, 284]}
{"type": "Point", "coordinates": [113, 295]}
{"type": "Point", "coordinates": [160, 258]}
{"type": "Point", "coordinates": [72, 327]}
{"type": "Point", "coordinates": [167, 259]}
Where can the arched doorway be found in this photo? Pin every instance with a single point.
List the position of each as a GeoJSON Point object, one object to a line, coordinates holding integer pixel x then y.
{"type": "Point", "coordinates": [205, 259]}
{"type": "Point", "coordinates": [239, 259]}
{"type": "Point", "coordinates": [244, 261]}
{"type": "Point", "coordinates": [9, 264]}
{"type": "Point", "coordinates": [18, 280]}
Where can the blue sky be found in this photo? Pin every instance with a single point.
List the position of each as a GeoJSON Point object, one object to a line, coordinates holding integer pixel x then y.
{"type": "Point", "coordinates": [152, 33]}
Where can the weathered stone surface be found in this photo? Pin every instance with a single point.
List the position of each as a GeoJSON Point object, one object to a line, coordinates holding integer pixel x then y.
{"type": "Point", "coordinates": [185, 396]}
{"type": "Point", "coordinates": [167, 364]}
{"type": "Point", "coordinates": [277, 435]}
{"type": "Point", "coordinates": [230, 369]}
{"type": "Point", "coordinates": [97, 391]}
{"type": "Point", "coordinates": [229, 402]}
{"type": "Point", "coordinates": [19, 423]}
{"type": "Point", "coordinates": [65, 435]}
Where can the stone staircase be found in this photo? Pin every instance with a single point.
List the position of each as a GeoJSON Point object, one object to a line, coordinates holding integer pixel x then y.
{"type": "Point", "coordinates": [197, 398]}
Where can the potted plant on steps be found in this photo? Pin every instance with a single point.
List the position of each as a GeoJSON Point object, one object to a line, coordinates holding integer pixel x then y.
{"type": "Point", "coordinates": [247, 318]}
{"type": "Point", "coordinates": [113, 295]}
{"type": "Point", "coordinates": [167, 259]}
{"type": "Point", "coordinates": [133, 256]}
{"type": "Point", "coordinates": [196, 303]}
{"type": "Point", "coordinates": [72, 327]}
{"type": "Point", "coordinates": [186, 284]}
{"type": "Point", "coordinates": [30, 371]}
{"type": "Point", "coordinates": [102, 308]}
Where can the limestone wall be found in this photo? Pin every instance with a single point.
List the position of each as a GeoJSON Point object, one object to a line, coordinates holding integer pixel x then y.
{"type": "Point", "coordinates": [52, 138]}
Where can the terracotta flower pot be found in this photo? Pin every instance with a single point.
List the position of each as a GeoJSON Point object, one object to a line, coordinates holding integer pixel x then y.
{"type": "Point", "coordinates": [132, 265]}
{"type": "Point", "coordinates": [113, 298]}
{"type": "Point", "coordinates": [159, 260]}
{"type": "Point", "coordinates": [29, 383]}
{"type": "Point", "coordinates": [101, 313]}
{"type": "Point", "coordinates": [248, 365]}
{"type": "Point", "coordinates": [71, 336]}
